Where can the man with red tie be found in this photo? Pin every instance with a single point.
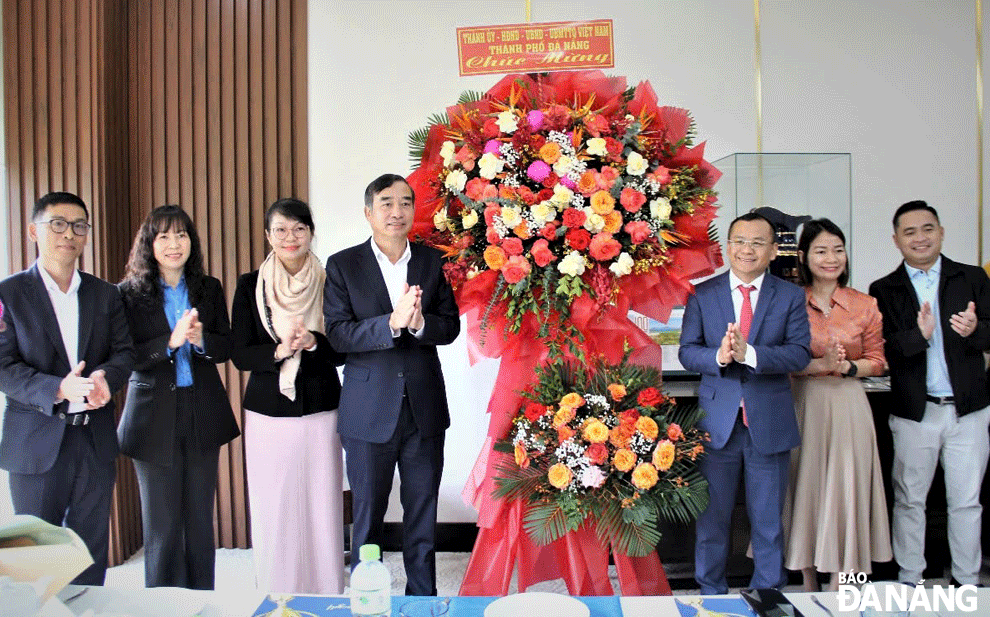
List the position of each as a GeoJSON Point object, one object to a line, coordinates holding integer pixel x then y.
{"type": "Point", "coordinates": [744, 331]}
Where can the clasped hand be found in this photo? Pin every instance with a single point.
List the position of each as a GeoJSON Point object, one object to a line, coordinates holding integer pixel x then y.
{"type": "Point", "coordinates": [298, 338]}
{"type": "Point", "coordinates": [408, 312]}
{"type": "Point", "coordinates": [187, 328]}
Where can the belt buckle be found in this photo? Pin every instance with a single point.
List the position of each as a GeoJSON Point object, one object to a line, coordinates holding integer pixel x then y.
{"type": "Point", "coordinates": [74, 419]}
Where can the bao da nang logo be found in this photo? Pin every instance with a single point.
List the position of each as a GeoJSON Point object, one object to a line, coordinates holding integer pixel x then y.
{"type": "Point", "coordinates": [858, 595]}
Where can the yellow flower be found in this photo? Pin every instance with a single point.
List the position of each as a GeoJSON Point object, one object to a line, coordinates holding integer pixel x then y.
{"type": "Point", "coordinates": [469, 219]}
{"type": "Point", "coordinates": [602, 202]}
{"type": "Point", "coordinates": [624, 459]}
{"type": "Point", "coordinates": [572, 399]}
{"type": "Point", "coordinates": [648, 427]}
{"type": "Point", "coordinates": [559, 475]}
{"type": "Point", "coordinates": [613, 222]}
{"type": "Point", "coordinates": [663, 456]}
{"type": "Point", "coordinates": [550, 152]}
{"type": "Point", "coordinates": [617, 390]}
{"type": "Point", "coordinates": [595, 431]}
{"type": "Point", "coordinates": [495, 257]}
{"type": "Point", "coordinates": [522, 458]}
{"type": "Point", "coordinates": [563, 416]}
{"type": "Point", "coordinates": [645, 476]}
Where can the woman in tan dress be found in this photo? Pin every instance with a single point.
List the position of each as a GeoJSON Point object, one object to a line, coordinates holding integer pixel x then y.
{"type": "Point", "coordinates": [839, 511]}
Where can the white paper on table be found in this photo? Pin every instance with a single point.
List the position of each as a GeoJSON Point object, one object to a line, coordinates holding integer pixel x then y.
{"type": "Point", "coordinates": [57, 553]}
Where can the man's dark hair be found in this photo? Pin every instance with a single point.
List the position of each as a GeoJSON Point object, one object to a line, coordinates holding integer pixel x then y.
{"type": "Point", "coordinates": [910, 206]}
{"type": "Point", "coordinates": [292, 209]}
{"type": "Point", "coordinates": [754, 216]}
{"type": "Point", "coordinates": [381, 183]}
{"type": "Point", "coordinates": [58, 197]}
{"type": "Point", "coordinates": [812, 229]}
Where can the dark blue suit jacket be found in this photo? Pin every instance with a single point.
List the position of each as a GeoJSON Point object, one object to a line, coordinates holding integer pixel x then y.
{"type": "Point", "coordinates": [379, 368]}
{"type": "Point", "coordinates": [780, 335]}
{"type": "Point", "coordinates": [33, 362]}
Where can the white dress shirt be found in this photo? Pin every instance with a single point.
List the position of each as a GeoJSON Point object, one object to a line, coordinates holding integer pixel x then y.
{"type": "Point", "coordinates": [66, 307]}
{"type": "Point", "coordinates": [737, 301]}
{"type": "Point", "coordinates": [395, 275]}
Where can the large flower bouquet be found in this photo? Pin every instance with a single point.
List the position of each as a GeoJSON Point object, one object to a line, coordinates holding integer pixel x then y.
{"type": "Point", "coordinates": [602, 441]}
{"type": "Point", "coordinates": [552, 188]}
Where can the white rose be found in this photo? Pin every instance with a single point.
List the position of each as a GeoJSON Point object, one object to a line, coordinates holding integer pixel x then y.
{"type": "Point", "coordinates": [572, 264]}
{"type": "Point", "coordinates": [469, 219]}
{"type": "Point", "coordinates": [510, 216]}
{"type": "Point", "coordinates": [507, 121]}
{"type": "Point", "coordinates": [489, 165]}
{"type": "Point", "coordinates": [660, 208]}
{"type": "Point", "coordinates": [456, 180]}
{"type": "Point", "coordinates": [593, 221]}
{"type": "Point", "coordinates": [636, 165]}
{"type": "Point", "coordinates": [596, 147]}
{"type": "Point", "coordinates": [447, 152]}
{"type": "Point", "coordinates": [623, 264]}
{"type": "Point", "coordinates": [440, 219]}
{"type": "Point", "coordinates": [562, 166]}
{"type": "Point", "coordinates": [543, 212]}
{"type": "Point", "coordinates": [562, 195]}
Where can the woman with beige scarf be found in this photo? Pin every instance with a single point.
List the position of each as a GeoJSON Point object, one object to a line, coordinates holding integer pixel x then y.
{"type": "Point", "coordinates": [292, 449]}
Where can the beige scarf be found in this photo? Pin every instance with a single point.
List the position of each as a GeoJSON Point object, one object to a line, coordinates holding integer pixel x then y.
{"type": "Point", "coordinates": [282, 298]}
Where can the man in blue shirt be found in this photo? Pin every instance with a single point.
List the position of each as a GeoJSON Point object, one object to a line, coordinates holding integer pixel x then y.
{"type": "Point", "coordinates": [936, 326]}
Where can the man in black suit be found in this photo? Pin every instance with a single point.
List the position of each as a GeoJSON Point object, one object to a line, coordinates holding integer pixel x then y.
{"type": "Point", "coordinates": [64, 350]}
{"type": "Point", "coordinates": [936, 326]}
{"type": "Point", "coordinates": [387, 306]}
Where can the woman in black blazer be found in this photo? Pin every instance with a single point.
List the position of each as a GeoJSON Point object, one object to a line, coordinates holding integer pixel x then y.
{"type": "Point", "coordinates": [177, 414]}
{"type": "Point", "coordinates": [291, 446]}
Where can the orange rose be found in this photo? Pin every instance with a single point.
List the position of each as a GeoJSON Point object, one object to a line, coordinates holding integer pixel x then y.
{"type": "Point", "coordinates": [603, 247]}
{"type": "Point", "coordinates": [522, 458]}
{"type": "Point", "coordinates": [550, 152]}
{"type": "Point", "coordinates": [602, 202]}
{"type": "Point", "coordinates": [495, 257]}
{"type": "Point", "coordinates": [613, 222]}
{"type": "Point", "coordinates": [645, 476]}
{"type": "Point", "coordinates": [663, 456]}
{"type": "Point", "coordinates": [563, 416]}
{"type": "Point", "coordinates": [522, 230]}
{"type": "Point", "coordinates": [617, 390]}
{"type": "Point", "coordinates": [564, 433]}
{"type": "Point", "coordinates": [648, 427]}
{"type": "Point", "coordinates": [595, 431]}
{"type": "Point", "coordinates": [559, 475]}
{"type": "Point", "coordinates": [597, 453]}
{"type": "Point", "coordinates": [620, 435]}
{"type": "Point", "coordinates": [674, 432]}
{"type": "Point", "coordinates": [572, 400]}
{"type": "Point", "coordinates": [624, 459]}
{"type": "Point", "coordinates": [588, 183]}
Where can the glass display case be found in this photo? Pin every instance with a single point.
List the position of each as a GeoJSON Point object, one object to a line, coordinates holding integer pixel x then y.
{"type": "Point", "coordinates": [789, 188]}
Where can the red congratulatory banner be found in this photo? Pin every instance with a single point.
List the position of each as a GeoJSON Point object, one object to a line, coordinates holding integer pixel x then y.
{"type": "Point", "coordinates": [536, 48]}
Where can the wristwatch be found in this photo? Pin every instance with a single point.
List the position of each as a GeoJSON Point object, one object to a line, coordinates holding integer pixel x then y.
{"type": "Point", "coordinates": [853, 369]}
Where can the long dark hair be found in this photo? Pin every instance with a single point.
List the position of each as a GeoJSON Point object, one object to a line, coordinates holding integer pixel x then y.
{"type": "Point", "coordinates": [813, 229]}
{"type": "Point", "coordinates": [140, 284]}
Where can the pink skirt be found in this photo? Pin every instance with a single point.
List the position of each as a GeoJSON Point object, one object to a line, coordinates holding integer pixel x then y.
{"type": "Point", "coordinates": [295, 492]}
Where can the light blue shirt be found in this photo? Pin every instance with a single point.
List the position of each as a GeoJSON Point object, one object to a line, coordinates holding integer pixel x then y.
{"type": "Point", "coordinates": [926, 286]}
{"type": "Point", "coordinates": [176, 303]}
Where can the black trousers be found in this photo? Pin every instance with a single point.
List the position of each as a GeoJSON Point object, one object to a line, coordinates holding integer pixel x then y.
{"type": "Point", "coordinates": [370, 469]}
{"type": "Point", "coordinates": [76, 493]}
{"type": "Point", "coordinates": [177, 509]}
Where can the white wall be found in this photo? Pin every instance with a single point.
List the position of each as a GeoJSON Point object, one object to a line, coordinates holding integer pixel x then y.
{"type": "Point", "coordinates": [890, 81]}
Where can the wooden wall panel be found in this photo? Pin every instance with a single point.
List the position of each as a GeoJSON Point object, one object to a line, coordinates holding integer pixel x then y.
{"type": "Point", "coordinates": [196, 102]}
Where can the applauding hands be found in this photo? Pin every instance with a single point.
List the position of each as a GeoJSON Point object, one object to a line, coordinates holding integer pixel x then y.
{"type": "Point", "coordinates": [298, 338]}
{"type": "Point", "coordinates": [92, 390]}
{"type": "Point", "coordinates": [188, 328]}
{"type": "Point", "coordinates": [408, 312]}
{"type": "Point", "coordinates": [733, 347]}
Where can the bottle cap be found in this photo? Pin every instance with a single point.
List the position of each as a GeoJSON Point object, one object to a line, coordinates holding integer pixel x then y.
{"type": "Point", "coordinates": [370, 552]}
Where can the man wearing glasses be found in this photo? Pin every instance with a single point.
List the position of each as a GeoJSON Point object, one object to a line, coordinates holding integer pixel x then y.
{"type": "Point", "coordinates": [64, 350]}
{"type": "Point", "coordinates": [744, 331]}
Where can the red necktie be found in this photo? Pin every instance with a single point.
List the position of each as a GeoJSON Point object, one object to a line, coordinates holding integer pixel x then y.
{"type": "Point", "coordinates": [745, 320]}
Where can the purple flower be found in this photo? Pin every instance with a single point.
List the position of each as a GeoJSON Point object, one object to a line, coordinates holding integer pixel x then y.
{"type": "Point", "coordinates": [491, 146]}
{"type": "Point", "coordinates": [568, 182]}
{"type": "Point", "coordinates": [538, 171]}
{"type": "Point", "coordinates": [535, 119]}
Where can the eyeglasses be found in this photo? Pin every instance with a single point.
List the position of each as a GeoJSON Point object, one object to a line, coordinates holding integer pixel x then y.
{"type": "Point", "coordinates": [80, 228]}
{"type": "Point", "coordinates": [281, 233]}
{"type": "Point", "coordinates": [756, 245]}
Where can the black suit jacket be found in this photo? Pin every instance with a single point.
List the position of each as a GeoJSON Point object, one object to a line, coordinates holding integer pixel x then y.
{"type": "Point", "coordinates": [147, 425]}
{"type": "Point", "coordinates": [317, 385]}
{"type": "Point", "coordinates": [33, 362]}
{"type": "Point", "coordinates": [907, 349]}
{"type": "Point", "coordinates": [380, 368]}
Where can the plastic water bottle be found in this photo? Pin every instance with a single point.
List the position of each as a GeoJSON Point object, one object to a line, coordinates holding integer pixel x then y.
{"type": "Point", "coordinates": [371, 584]}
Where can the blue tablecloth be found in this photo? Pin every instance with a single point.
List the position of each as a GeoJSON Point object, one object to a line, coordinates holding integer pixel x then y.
{"type": "Point", "coordinates": [460, 606]}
